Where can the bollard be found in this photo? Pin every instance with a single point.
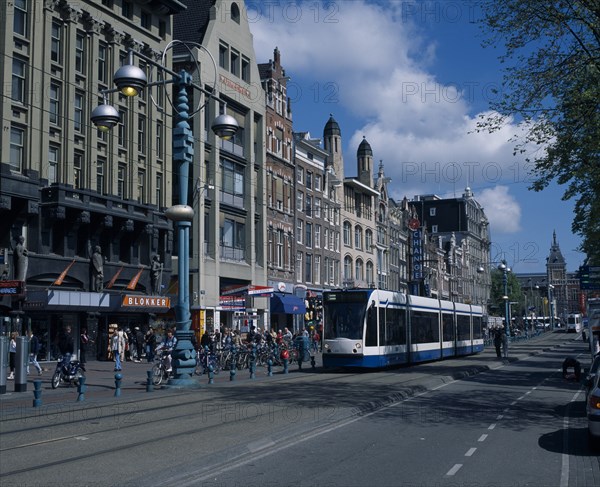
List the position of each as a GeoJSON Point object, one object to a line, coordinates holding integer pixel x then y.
{"type": "Point", "coordinates": [285, 365]}
{"type": "Point", "coordinates": [211, 374]}
{"type": "Point", "coordinates": [21, 361]}
{"type": "Point", "coordinates": [149, 383]}
{"type": "Point", "coordinates": [81, 387]}
{"type": "Point", "coordinates": [233, 366]}
{"type": "Point", "coordinates": [313, 364]}
{"type": "Point", "coordinates": [118, 379]}
{"type": "Point", "coordinates": [37, 393]}
{"type": "Point", "coordinates": [253, 362]}
{"type": "Point", "coordinates": [3, 363]}
{"type": "Point", "coordinates": [270, 367]}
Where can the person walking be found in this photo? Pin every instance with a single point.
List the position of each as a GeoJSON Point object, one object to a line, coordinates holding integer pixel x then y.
{"type": "Point", "coordinates": [139, 343]}
{"type": "Point", "coordinates": [84, 339]}
{"type": "Point", "coordinates": [117, 346]}
{"type": "Point", "coordinates": [150, 341]}
{"type": "Point", "coordinates": [12, 354]}
{"type": "Point", "coordinates": [34, 349]}
{"type": "Point", "coordinates": [498, 341]}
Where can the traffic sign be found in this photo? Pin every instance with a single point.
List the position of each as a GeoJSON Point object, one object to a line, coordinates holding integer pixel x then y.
{"type": "Point", "coordinates": [589, 277]}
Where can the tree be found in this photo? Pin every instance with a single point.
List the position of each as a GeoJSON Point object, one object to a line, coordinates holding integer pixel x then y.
{"type": "Point", "coordinates": [515, 293]}
{"type": "Point", "coordinates": [552, 85]}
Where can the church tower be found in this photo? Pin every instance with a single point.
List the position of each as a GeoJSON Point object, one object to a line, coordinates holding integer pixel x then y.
{"type": "Point", "coordinates": [556, 275]}
{"type": "Point", "coordinates": [332, 143]}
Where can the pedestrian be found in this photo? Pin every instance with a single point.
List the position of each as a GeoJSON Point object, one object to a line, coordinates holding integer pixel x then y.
{"type": "Point", "coordinates": [139, 343]}
{"type": "Point", "coordinates": [34, 349]}
{"type": "Point", "coordinates": [12, 354]}
{"type": "Point", "coordinates": [498, 341]}
{"type": "Point", "coordinates": [316, 341]}
{"type": "Point", "coordinates": [150, 341]}
{"type": "Point", "coordinates": [84, 339]}
{"type": "Point", "coordinates": [117, 345]}
{"type": "Point", "coordinates": [66, 345]}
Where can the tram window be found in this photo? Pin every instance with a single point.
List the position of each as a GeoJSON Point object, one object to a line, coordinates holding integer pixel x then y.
{"type": "Point", "coordinates": [463, 327]}
{"type": "Point", "coordinates": [395, 327]}
{"type": "Point", "coordinates": [448, 327]}
{"type": "Point", "coordinates": [371, 333]}
{"type": "Point", "coordinates": [424, 327]}
{"type": "Point", "coordinates": [477, 333]}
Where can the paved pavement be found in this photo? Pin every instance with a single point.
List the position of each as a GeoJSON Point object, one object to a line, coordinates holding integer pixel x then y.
{"type": "Point", "coordinates": [101, 385]}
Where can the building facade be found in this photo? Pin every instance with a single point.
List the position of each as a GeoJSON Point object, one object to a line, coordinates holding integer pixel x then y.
{"type": "Point", "coordinates": [68, 189]}
{"type": "Point", "coordinates": [228, 264]}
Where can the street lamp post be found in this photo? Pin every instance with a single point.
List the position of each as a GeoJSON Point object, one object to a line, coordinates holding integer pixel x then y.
{"type": "Point", "coordinates": [502, 267]}
{"type": "Point", "coordinates": [131, 80]}
{"type": "Point", "coordinates": [551, 305]}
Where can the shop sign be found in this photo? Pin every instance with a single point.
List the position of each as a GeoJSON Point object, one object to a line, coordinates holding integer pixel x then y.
{"type": "Point", "coordinates": [12, 288]}
{"type": "Point", "coordinates": [146, 301]}
{"type": "Point", "coordinates": [417, 254]}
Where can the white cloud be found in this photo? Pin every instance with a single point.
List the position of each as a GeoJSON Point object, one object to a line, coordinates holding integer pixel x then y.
{"type": "Point", "coordinates": [502, 210]}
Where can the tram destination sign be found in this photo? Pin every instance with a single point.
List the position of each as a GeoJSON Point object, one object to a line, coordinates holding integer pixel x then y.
{"type": "Point", "coordinates": [589, 277]}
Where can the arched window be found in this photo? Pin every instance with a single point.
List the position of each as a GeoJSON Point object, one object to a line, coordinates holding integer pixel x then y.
{"type": "Point", "coordinates": [358, 270]}
{"type": "Point", "coordinates": [235, 13]}
{"type": "Point", "coordinates": [368, 240]}
{"type": "Point", "coordinates": [358, 237]}
{"type": "Point", "coordinates": [347, 233]}
{"type": "Point", "coordinates": [347, 267]}
{"type": "Point", "coordinates": [370, 275]}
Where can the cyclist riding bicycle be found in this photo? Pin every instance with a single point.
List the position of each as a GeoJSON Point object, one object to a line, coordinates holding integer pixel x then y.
{"type": "Point", "coordinates": [167, 347]}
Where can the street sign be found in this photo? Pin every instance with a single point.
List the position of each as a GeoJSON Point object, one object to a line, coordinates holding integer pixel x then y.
{"type": "Point", "coordinates": [589, 277]}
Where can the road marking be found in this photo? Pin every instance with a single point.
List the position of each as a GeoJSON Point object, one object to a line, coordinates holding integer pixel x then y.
{"type": "Point", "coordinates": [454, 469]}
{"type": "Point", "coordinates": [564, 471]}
{"type": "Point", "coordinates": [482, 438]}
{"type": "Point", "coordinates": [492, 426]}
{"type": "Point", "coordinates": [470, 452]}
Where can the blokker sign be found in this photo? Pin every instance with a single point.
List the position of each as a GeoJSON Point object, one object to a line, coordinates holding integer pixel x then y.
{"type": "Point", "coordinates": [146, 301]}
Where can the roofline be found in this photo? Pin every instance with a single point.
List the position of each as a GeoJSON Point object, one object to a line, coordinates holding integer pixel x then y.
{"type": "Point", "coordinates": [357, 184]}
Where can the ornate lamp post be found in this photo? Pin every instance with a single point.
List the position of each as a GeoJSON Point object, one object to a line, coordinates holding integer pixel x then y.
{"type": "Point", "coordinates": [502, 267]}
{"type": "Point", "coordinates": [131, 80]}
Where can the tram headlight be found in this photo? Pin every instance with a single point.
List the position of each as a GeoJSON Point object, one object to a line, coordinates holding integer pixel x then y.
{"type": "Point", "coordinates": [327, 346]}
{"type": "Point", "coordinates": [357, 346]}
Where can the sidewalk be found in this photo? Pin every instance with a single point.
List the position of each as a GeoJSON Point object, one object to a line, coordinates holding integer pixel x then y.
{"type": "Point", "coordinates": [100, 378]}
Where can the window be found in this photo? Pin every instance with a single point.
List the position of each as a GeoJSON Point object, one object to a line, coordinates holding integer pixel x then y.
{"type": "Point", "coordinates": [317, 236]}
{"type": "Point", "coordinates": [78, 170]}
{"type": "Point", "coordinates": [159, 192]}
{"type": "Point", "coordinates": [17, 148]}
{"type": "Point", "coordinates": [78, 116]}
{"type": "Point", "coordinates": [317, 208]}
{"type": "Point", "coordinates": [347, 237]}
{"type": "Point", "coordinates": [318, 180]}
{"type": "Point", "coordinates": [233, 239]}
{"type": "Point", "coordinates": [159, 140]}
{"type": "Point", "coordinates": [309, 200]}
{"type": "Point", "coordinates": [146, 20]}
{"type": "Point", "coordinates": [122, 181]}
{"type": "Point", "coordinates": [53, 157]}
{"type": "Point", "coordinates": [121, 130]}
{"type": "Point", "coordinates": [358, 270]}
{"type": "Point", "coordinates": [369, 240]}
{"type": "Point", "coordinates": [308, 239]}
{"type": "Point", "coordinates": [370, 275]}
{"type": "Point", "coordinates": [235, 13]}
{"type": "Point", "coordinates": [434, 229]}
{"type": "Point", "coordinates": [235, 63]}
{"type": "Point", "coordinates": [107, 3]}
{"type": "Point", "coordinates": [162, 29]}
{"type": "Point", "coordinates": [142, 134]}
{"type": "Point", "coordinates": [100, 169]}
{"type": "Point", "coordinates": [127, 10]}
{"type": "Point", "coordinates": [358, 238]}
{"type": "Point", "coordinates": [300, 175]}
{"type": "Point", "coordinates": [347, 268]}
{"type": "Point", "coordinates": [232, 184]}
{"type": "Point", "coordinates": [80, 52]}
{"type": "Point", "coordinates": [309, 179]}
{"type": "Point", "coordinates": [54, 103]}
{"type": "Point", "coordinates": [300, 202]}
{"type": "Point", "coordinates": [279, 254]}
{"type": "Point", "coordinates": [308, 268]}
{"type": "Point", "coordinates": [431, 211]}
{"type": "Point", "coordinates": [18, 81]}
{"type": "Point", "coordinates": [102, 63]}
{"type": "Point", "coordinates": [20, 17]}
{"type": "Point", "coordinates": [326, 238]}
{"type": "Point", "coordinates": [245, 69]}
{"type": "Point", "coordinates": [223, 55]}
{"type": "Point", "coordinates": [141, 186]}
{"type": "Point", "coordinates": [317, 269]}
{"type": "Point", "coordinates": [299, 266]}
{"type": "Point", "coordinates": [299, 231]}
{"type": "Point", "coordinates": [56, 42]}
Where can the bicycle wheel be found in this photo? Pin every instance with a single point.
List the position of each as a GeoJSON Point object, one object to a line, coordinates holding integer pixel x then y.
{"type": "Point", "coordinates": [157, 374]}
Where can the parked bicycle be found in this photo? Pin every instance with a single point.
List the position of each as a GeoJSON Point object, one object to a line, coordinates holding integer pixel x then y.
{"type": "Point", "coordinates": [204, 359]}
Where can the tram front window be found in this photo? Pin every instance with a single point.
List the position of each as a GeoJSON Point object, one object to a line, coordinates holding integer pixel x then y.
{"type": "Point", "coordinates": [345, 321]}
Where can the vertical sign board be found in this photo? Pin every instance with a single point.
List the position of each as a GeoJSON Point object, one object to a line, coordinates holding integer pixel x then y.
{"type": "Point", "coordinates": [417, 254]}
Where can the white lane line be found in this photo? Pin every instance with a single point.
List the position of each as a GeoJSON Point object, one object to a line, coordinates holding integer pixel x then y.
{"type": "Point", "coordinates": [564, 471]}
{"type": "Point", "coordinates": [470, 452]}
{"type": "Point", "coordinates": [492, 426]}
{"type": "Point", "coordinates": [482, 438]}
{"type": "Point", "coordinates": [454, 469]}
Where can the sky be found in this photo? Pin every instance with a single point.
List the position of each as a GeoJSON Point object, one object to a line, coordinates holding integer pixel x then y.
{"type": "Point", "coordinates": [413, 78]}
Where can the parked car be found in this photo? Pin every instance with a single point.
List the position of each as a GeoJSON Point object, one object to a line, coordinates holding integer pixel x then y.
{"type": "Point", "coordinates": [591, 375]}
{"type": "Point", "coordinates": [593, 411]}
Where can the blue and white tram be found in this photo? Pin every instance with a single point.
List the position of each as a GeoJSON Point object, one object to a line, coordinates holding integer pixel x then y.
{"type": "Point", "coordinates": [374, 328]}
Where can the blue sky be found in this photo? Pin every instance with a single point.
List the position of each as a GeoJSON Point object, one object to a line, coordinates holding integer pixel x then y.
{"type": "Point", "coordinates": [413, 78]}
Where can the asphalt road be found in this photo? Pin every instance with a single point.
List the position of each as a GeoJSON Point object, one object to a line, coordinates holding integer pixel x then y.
{"type": "Point", "coordinates": [304, 428]}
